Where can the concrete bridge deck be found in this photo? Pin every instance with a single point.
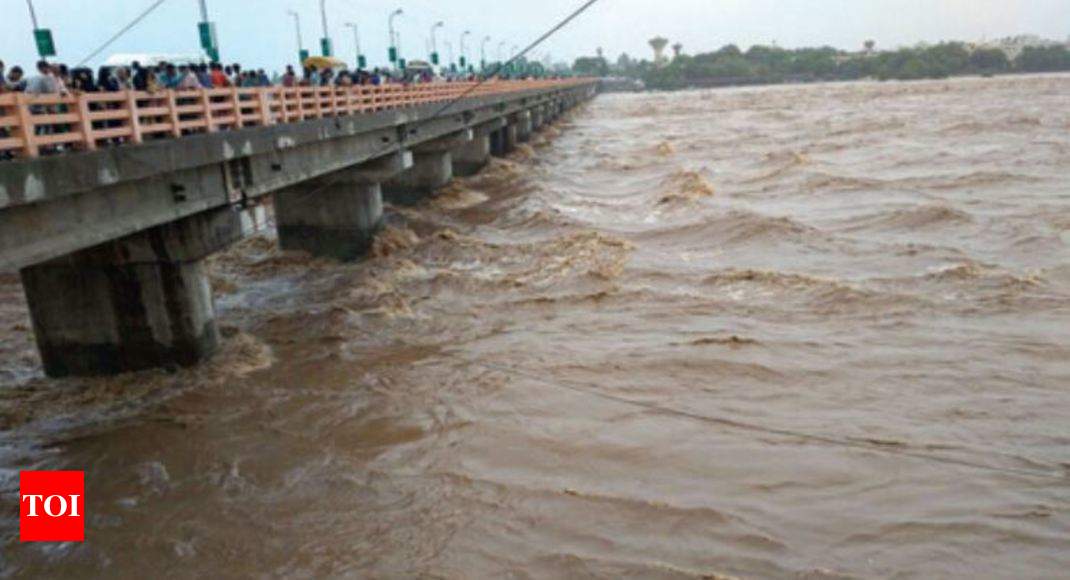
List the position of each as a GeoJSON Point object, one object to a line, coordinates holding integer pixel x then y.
{"type": "Point", "coordinates": [110, 241]}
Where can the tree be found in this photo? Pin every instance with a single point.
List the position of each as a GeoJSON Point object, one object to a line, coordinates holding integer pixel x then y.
{"type": "Point", "coordinates": [989, 60]}
{"type": "Point", "coordinates": [870, 45]}
{"type": "Point", "coordinates": [730, 50]}
{"type": "Point", "coordinates": [592, 66]}
{"type": "Point", "coordinates": [677, 49]}
{"type": "Point", "coordinates": [1043, 59]}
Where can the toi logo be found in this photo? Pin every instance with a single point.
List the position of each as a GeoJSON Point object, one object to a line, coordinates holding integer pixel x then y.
{"type": "Point", "coordinates": [52, 506]}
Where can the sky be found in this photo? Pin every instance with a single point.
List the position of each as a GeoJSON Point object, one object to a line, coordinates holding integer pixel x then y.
{"type": "Point", "coordinates": [259, 33]}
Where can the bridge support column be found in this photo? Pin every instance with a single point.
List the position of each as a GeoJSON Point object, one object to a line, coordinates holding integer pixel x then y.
{"type": "Point", "coordinates": [432, 170]}
{"type": "Point", "coordinates": [523, 125]}
{"type": "Point", "coordinates": [140, 302]}
{"type": "Point", "coordinates": [538, 120]}
{"type": "Point", "coordinates": [471, 158]}
{"type": "Point", "coordinates": [504, 141]}
{"type": "Point", "coordinates": [337, 216]}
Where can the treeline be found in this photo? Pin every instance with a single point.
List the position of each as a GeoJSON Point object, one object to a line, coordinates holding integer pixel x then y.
{"type": "Point", "coordinates": [770, 64]}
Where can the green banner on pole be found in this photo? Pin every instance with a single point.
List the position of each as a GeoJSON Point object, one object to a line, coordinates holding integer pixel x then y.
{"type": "Point", "coordinates": [393, 54]}
{"type": "Point", "coordinates": [303, 56]}
{"type": "Point", "coordinates": [326, 46]}
{"type": "Point", "coordinates": [401, 63]}
{"type": "Point", "coordinates": [362, 61]}
{"type": "Point", "coordinates": [434, 58]}
{"type": "Point", "coordinates": [45, 45]}
{"type": "Point", "coordinates": [209, 39]}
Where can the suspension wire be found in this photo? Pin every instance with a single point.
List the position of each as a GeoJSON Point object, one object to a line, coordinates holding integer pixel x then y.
{"type": "Point", "coordinates": [122, 31]}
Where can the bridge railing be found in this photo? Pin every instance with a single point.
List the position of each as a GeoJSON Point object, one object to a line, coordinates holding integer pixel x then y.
{"type": "Point", "coordinates": [36, 125]}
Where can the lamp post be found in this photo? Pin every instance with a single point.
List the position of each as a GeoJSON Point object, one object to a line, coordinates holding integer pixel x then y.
{"type": "Point", "coordinates": [395, 56]}
{"type": "Point", "coordinates": [361, 62]}
{"type": "Point", "coordinates": [483, 54]}
{"type": "Point", "coordinates": [205, 29]}
{"type": "Point", "coordinates": [434, 43]}
{"type": "Point", "coordinates": [43, 36]}
{"type": "Point", "coordinates": [464, 59]}
{"type": "Point", "coordinates": [325, 42]}
{"type": "Point", "coordinates": [302, 54]}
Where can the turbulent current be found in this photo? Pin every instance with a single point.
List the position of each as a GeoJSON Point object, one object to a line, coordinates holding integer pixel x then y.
{"type": "Point", "coordinates": [789, 332]}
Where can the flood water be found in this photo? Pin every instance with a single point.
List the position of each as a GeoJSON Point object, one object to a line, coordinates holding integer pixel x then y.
{"type": "Point", "coordinates": [783, 332]}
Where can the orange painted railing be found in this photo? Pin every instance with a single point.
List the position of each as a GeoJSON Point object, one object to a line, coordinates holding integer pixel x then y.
{"type": "Point", "coordinates": [34, 125]}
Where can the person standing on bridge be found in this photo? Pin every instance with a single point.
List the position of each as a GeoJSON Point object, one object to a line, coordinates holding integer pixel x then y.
{"type": "Point", "coordinates": [45, 83]}
{"type": "Point", "coordinates": [219, 76]}
{"type": "Point", "coordinates": [187, 81]}
{"type": "Point", "coordinates": [289, 80]}
{"type": "Point", "coordinates": [203, 76]}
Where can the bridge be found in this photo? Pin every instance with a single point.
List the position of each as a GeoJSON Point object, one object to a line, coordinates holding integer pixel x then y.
{"type": "Point", "coordinates": [112, 201]}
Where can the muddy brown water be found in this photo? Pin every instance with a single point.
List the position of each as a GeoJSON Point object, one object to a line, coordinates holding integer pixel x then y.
{"type": "Point", "coordinates": [882, 266]}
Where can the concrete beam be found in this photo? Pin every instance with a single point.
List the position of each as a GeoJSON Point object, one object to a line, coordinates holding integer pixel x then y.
{"type": "Point", "coordinates": [53, 206]}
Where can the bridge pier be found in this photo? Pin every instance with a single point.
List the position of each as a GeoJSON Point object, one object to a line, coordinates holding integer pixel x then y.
{"type": "Point", "coordinates": [471, 158]}
{"type": "Point", "coordinates": [524, 126]}
{"type": "Point", "coordinates": [538, 120]}
{"type": "Point", "coordinates": [140, 302]}
{"type": "Point", "coordinates": [432, 170]}
{"type": "Point", "coordinates": [504, 141]}
{"type": "Point", "coordinates": [337, 216]}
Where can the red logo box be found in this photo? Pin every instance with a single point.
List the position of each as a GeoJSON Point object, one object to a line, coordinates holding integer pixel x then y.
{"type": "Point", "coordinates": [52, 506]}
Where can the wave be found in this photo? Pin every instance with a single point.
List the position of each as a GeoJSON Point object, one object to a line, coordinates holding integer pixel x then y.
{"type": "Point", "coordinates": [914, 218]}
{"type": "Point", "coordinates": [686, 186]}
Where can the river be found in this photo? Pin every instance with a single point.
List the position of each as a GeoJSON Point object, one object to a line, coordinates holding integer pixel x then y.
{"type": "Point", "coordinates": [811, 331]}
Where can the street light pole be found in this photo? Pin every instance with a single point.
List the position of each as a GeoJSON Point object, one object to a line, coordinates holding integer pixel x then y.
{"type": "Point", "coordinates": [207, 32]}
{"type": "Point", "coordinates": [41, 36]}
{"type": "Point", "coordinates": [302, 54]}
{"type": "Point", "coordinates": [483, 53]}
{"type": "Point", "coordinates": [325, 42]}
{"type": "Point", "coordinates": [356, 40]}
{"type": "Point", "coordinates": [395, 40]}
{"type": "Point", "coordinates": [33, 14]}
{"type": "Point", "coordinates": [464, 58]}
{"type": "Point", "coordinates": [434, 43]}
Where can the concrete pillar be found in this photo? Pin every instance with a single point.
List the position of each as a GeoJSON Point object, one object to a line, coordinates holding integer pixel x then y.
{"type": "Point", "coordinates": [140, 302]}
{"type": "Point", "coordinates": [523, 125]}
{"type": "Point", "coordinates": [538, 121]}
{"type": "Point", "coordinates": [497, 143]}
{"type": "Point", "coordinates": [504, 141]}
{"type": "Point", "coordinates": [338, 215]}
{"type": "Point", "coordinates": [432, 170]}
{"type": "Point", "coordinates": [470, 159]}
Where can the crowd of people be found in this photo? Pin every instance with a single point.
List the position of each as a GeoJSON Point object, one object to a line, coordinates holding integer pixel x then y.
{"type": "Point", "coordinates": [59, 79]}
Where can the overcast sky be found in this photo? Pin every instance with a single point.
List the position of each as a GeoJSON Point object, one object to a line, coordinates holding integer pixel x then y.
{"type": "Point", "coordinates": [260, 33]}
